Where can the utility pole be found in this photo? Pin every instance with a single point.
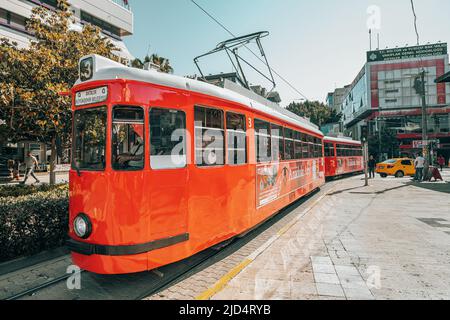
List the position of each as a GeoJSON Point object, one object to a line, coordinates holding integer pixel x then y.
{"type": "Point", "coordinates": [379, 138]}
{"type": "Point", "coordinates": [364, 139]}
{"type": "Point", "coordinates": [426, 151]}
{"type": "Point", "coordinates": [366, 159]}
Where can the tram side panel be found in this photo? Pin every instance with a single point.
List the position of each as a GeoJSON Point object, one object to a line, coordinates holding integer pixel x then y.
{"type": "Point", "coordinates": [220, 195]}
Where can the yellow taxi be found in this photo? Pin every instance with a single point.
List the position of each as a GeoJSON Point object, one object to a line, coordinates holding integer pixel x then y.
{"type": "Point", "coordinates": [396, 167]}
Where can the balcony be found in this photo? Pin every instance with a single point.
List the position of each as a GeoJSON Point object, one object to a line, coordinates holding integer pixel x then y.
{"type": "Point", "coordinates": [123, 3]}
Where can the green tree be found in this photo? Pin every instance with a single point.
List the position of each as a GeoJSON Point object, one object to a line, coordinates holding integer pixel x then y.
{"type": "Point", "coordinates": [161, 62]}
{"type": "Point", "coordinates": [386, 141]}
{"type": "Point", "coordinates": [319, 113]}
{"type": "Point", "coordinates": [32, 78]}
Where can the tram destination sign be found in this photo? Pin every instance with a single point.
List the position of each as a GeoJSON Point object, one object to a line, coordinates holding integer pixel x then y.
{"type": "Point", "coordinates": [91, 96]}
{"type": "Point", "coordinates": [438, 49]}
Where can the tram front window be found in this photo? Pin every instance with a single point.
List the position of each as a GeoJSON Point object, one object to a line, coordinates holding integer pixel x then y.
{"type": "Point", "coordinates": [128, 144]}
{"type": "Point", "coordinates": [89, 139]}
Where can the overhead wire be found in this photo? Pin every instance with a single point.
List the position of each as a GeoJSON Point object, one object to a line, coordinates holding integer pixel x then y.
{"type": "Point", "coordinates": [259, 58]}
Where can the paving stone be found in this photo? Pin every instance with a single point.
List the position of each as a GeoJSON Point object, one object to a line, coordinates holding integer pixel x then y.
{"type": "Point", "coordinates": [347, 241]}
{"type": "Point", "coordinates": [326, 278]}
{"type": "Point", "coordinates": [324, 268]}
{"type": "Point", "coordinates": [329, 290]}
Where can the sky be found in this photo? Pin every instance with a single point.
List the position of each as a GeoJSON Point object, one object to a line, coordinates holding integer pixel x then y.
{"type": "Point", "coordinates": [316, 45]}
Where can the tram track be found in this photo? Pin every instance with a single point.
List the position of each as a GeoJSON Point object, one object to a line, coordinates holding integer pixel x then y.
{"type": "Point", "coordinates": [35, 289]}
{"type": "Point", "coordinates": [142, 285]}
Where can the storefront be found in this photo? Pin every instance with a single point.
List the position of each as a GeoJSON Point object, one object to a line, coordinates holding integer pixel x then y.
{"type": "Point", "coordinates": [444, 143]}
{"type": "Point", "coordinates": [387, 96]}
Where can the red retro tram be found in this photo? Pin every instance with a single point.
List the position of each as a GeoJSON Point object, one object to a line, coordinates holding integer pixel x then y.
{"type": "Point", "coordinates": [164, 167]}
{"type": "Point", "coordinates": [342, 156]}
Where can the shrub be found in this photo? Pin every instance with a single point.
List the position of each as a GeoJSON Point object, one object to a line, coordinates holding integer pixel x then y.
{"type": "Point", "coordinates": [23, 190]}
{"type": "Point", "coordinates": [33, 223]}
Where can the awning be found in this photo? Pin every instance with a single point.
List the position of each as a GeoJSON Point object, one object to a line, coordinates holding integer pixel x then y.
{"type": "Point", "coordinates": [444, 78]}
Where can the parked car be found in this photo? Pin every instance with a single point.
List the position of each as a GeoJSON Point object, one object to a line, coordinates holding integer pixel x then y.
{"type": "Point", "coordinates": [396, 167]}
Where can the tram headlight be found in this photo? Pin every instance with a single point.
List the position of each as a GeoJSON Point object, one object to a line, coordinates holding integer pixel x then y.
{"type": "Point", "coordinates": [82, 226]}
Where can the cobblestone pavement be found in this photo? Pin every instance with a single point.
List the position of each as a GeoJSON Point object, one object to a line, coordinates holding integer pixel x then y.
{"type": "Point", "coordinates": [197, 284]}
{"type": "Point", "coordinates": [387, 241]}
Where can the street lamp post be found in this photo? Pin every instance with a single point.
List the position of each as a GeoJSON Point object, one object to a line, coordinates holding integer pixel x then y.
{"type": "Point", "coordinates": [426, 152]}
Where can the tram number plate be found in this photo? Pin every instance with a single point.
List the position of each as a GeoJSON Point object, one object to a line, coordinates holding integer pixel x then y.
{"type": "Point", "coordinates": [91, 96]}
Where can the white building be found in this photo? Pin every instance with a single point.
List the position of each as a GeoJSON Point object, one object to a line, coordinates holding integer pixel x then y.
{"type": "Point", "coordinates": [114, 17]}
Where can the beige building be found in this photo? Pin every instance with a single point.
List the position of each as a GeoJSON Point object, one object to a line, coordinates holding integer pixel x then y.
{"type": "Point", "coordinates": [113, 17]}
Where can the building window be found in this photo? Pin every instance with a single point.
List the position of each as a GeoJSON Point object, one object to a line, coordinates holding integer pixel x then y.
{"type": "Point", "coordinates": [209, 137]}
{"type": "Point", "coordinates": [236, 139]}
{"type": "Point", "coordinates": [13, 20]}
{"type": "Point", "coordinates": [167, 139]}
{"type": "Point", "coordinates": [105, 26]}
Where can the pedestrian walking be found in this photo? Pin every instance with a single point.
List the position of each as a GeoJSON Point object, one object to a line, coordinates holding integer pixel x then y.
{"type": "Point", "coordinates": [16, 170]}
{"type": "Point", "coordinates": [31, 162]}
{"type": "Point", "coordinates": [441, 162]}
{"type": "Point", "coordinates": [372, 165]}
{"type": "Point", "coordinates": [419, 163]}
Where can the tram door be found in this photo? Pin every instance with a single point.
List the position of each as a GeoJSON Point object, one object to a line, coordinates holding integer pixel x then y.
{"type": "Point", "coordinates": [169, 173]}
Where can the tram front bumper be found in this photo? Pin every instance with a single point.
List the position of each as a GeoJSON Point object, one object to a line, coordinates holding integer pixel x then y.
{"type": "Point", "coordinates": [89, 249]}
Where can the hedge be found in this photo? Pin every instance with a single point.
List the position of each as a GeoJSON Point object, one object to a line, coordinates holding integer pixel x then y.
{"type": "Point", "coordinates": [24, 190]}
{"type": "Point", "coordinates": [33, 223]}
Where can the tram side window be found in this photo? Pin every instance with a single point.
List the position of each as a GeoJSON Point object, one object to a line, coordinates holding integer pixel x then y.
{"type": "Point", "coordinates": [89, 145]}
{"type": "Point", "coordinates": [311, 147]}
{"type": "Point", "coordinates": [277, 133]}
{"type": "Point", "coordinates": [167, 139]}
{"type": "Point", "coordinates": [329, 150]}
{"type": "Point", "coordinates": [298, 145]}
{"type": "Point", "coordinates": [289, 144]}
{"type": "Point", "coordinates": [209, 137]}
{"type": "Point", "coordinates": [317, 150]}
{"type": "Point", "coordinates": [320, 146]}
{"type": "Point", "coordinates": [305, 146]}
{"type": "Point", "coordinates": [236, 139]}
{"type": "Point", "coordinates": [263, 142]}
{"type": "Point", "coordinates": [338, 150]}
{"type": "Point", "coordinates": [128, 142]}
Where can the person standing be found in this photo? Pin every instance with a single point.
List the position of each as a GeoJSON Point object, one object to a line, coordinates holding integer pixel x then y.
{"type": "Point", "coordinates": [16, 170]}
{"type": "Point", "coordinates": [441, 162]}
{"type": "Point", "coordinates": [372, 165]}
{"type": "Point", "coordinates": [419, 163]}
{"type": "Point", "coordinates": [31, 162]}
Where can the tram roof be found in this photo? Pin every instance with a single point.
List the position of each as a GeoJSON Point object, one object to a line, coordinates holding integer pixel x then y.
{"type": "Point", "coordinates": [342, 140]}
{"type": "Point", "coordinates": [106, 69]}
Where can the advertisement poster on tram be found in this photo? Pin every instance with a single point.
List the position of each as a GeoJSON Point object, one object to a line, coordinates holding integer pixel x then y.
{"type": "Point", "coordinates": [274, 181]}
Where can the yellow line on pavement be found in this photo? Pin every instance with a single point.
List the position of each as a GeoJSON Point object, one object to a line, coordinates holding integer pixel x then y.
{"type": "Point", "coordinates": [223, 281]}
{"type": "Point", "coordinates": [220, 285]}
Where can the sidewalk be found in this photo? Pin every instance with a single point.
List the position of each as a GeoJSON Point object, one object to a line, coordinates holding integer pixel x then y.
{"type": "Point", "coordinates": [44, 177]}
{"type": "Point", "coordinates": [386, 241]}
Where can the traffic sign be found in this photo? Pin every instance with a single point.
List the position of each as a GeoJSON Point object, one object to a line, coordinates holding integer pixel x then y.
{"type": "Point", "coordinates": [418, 144]}
{"type": "Point", "coordinates": [2, 122]}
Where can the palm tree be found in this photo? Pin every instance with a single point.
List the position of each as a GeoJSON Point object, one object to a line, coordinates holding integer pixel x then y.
{"type": "Point", "coordinates": [161, 62]}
